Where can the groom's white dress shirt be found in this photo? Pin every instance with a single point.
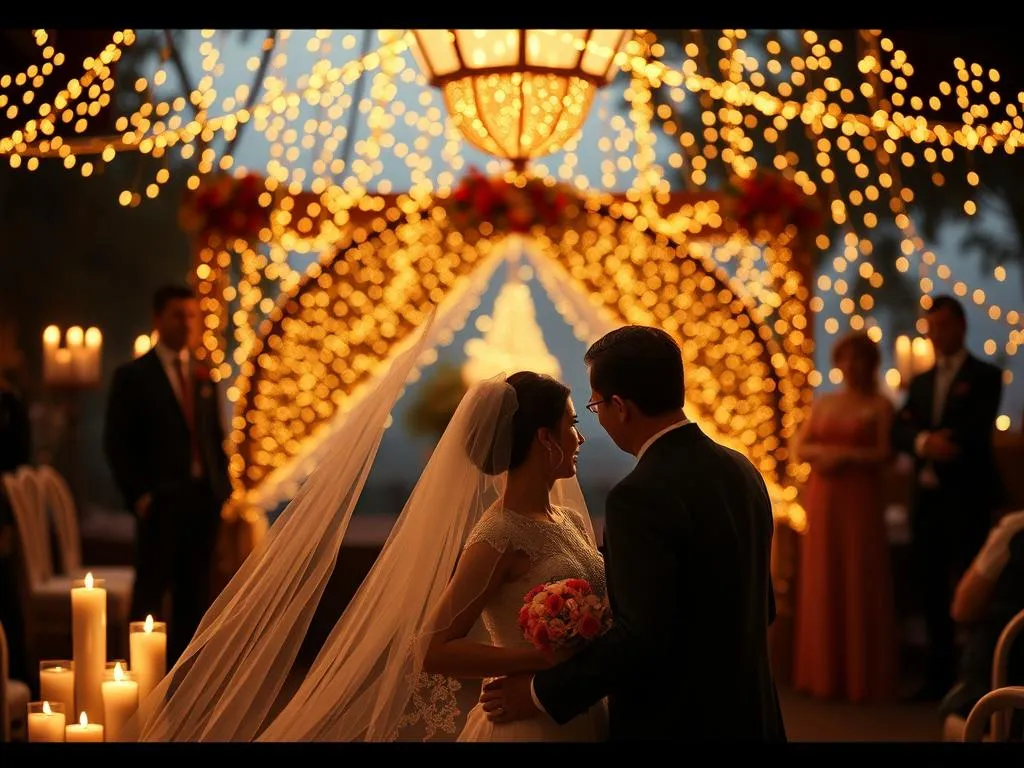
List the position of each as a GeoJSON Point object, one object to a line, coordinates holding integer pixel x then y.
{"type": "Point", "coordinates": [639, 455]}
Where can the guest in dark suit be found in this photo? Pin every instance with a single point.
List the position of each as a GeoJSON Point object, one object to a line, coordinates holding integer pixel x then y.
{"type": "Point", "coordinates": [947, 424]}
{"type": "Point", "coordinates": [164, 439]}
{"type": "Point", "coordinates": [688, 537]}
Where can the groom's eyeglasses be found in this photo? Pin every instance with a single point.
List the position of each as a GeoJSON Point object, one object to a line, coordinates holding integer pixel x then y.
{"type": "Point", "coordinates": [592, 407]}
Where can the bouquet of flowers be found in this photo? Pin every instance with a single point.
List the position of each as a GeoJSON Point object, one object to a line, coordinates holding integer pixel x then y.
{"type": "Point", "coordinates": [563, 614]}
{"type": "Point", "coordinates": [478, 198]}
{"type": "Point", "coordinates": [769, 201]}
{"type": "Point", "coordinates": [227, 205]}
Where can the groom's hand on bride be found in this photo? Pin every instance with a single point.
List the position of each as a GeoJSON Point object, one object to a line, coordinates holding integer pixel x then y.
{"type": "Point", "coordinates": [507, 699]}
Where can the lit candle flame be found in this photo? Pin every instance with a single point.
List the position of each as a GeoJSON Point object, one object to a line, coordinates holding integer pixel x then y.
{"type": "Point", "coordinates": [46, 708]}
{"type": "Point", "coordinates": [149, 623]}
{"type": "Point", "coordinates": [88, 584]}
{"type": "Point", "coordinates": [118, 672]}
{"type": "Point", "coordinates": [83, 720]}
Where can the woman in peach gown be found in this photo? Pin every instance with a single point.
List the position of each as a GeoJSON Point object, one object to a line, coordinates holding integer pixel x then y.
{"type": "Point", "coordinates": [846, 645]}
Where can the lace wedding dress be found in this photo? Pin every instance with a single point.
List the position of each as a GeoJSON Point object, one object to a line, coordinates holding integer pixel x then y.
{"type": "Point", "coordinates": [557, 549]}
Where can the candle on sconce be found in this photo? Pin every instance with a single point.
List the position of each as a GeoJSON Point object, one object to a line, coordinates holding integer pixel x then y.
{"type": "Point", "coordinates": [120, 700]}
{"type": "Point", "coordinates": [51, 343]}
{"type": "Point", "coordinates": [45, 721]}
{"type": "Point", "coordinates": [57, 683]}
{"type": "Point", "coordinates": [89, 641]}
{"type": "Point", "coordinates": [64, 366]}
{"type": "Point", "coordinates": [77, 363]}
{"type": "Point", "coordinates": [903, 358]}
{"type": "Point", "coordinates": [142, 346]}
{"type": "Point", "coordinates": [923, 354]}
{"type": "Point", "coordinates": [74, 339]}
{"type": "Point", "coordinates": [147, 643]}
{"type": "Point", "coordinates": [93, 350]}
{"type": "Point", "coordinates": [83, 731]}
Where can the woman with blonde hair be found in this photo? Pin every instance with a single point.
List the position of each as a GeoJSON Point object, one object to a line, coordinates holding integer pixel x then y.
{"type": "Point", "coordinates": [846, 645]}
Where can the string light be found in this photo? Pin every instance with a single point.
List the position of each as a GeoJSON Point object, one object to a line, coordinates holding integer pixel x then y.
{"type": "Point", "coordinates": [344, 138]}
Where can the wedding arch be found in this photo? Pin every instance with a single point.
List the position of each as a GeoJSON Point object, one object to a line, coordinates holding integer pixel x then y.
{"type": "Point", "coordinates": [332, 335]}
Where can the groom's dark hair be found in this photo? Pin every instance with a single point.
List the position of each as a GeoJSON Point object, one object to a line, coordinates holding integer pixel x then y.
{"type": "Point", "coordinates": [641, 364]}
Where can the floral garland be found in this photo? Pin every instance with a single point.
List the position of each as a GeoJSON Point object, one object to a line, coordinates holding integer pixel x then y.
{"type": "Point", "coordinates": [505, 205]}
{"type": "Point", "coordinates": [769, 202]}
{"type": "Point", "coordinates": [225, 205]}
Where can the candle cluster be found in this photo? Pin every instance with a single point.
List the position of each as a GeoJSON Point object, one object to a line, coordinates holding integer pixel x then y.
{"type": "Point", "coordinates": [77, 363]}
{"type": "Point", "coordinates": [913, 357]}
{"type": "Point", "coordinates": [144, 343]}
{"type": "Point", "coordinates": [104, 693]}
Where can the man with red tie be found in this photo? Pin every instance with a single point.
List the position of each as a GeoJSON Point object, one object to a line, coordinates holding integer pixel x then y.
{"type": "Point", "coordinates": [164, 440]}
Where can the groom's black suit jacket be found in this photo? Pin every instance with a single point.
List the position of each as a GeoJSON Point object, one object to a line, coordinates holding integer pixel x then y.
{"type": "Point", "coordinates": [687, 551]}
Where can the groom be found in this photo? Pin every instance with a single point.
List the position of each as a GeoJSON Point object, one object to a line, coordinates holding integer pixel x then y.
{"type": "Point", "coordinates": [688, 540]}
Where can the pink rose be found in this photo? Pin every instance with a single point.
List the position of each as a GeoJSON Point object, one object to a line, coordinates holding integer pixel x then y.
{"type": "Point", "coordinates": [557, 629]}
{"type": "Point", "coordinates": [554, 603]}
{"type": "Point", "coordinates": [578, 585]}
{"type": "Point", "coordinates": [524, 616]}
{"type": "Point", "coordinates": [533, 593]}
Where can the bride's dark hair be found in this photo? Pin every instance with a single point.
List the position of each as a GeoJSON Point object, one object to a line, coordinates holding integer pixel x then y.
{"type": "Point", "coordinates": [540, 402]}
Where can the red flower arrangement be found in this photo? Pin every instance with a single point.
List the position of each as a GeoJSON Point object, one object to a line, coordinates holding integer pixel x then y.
{"type": "Point", "coordinates": [478, 198]}
{"type": "Point", "coordinates": [225, 205]}
{"type": "Point", "coordinates": [768, 201]}
{"type": "Point", "coordinates": [563, 614]}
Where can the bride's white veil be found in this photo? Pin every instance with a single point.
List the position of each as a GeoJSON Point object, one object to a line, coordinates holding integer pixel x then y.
{"type": "Point", "coordinates": [367, 682]}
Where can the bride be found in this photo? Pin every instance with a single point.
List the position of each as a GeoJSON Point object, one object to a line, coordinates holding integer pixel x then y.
{"type": "Point", "coordinates": [496, 511]}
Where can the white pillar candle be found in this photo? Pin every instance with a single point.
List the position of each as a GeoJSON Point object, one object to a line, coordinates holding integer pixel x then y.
{"type": "Point", "coordinates": [924, 354]}
{"type": "Point", "coordinates": [94, 351]}
{"type": "Point", "coordinates": [89, 640]}
{"type": "Point", "coordinates": [57, 683]}
{"type": "Point", "coordinates": [120, 700]}
{"type": "Point", "coordinates": [51, 343]}
{"type": "Point", "coordinates": [903, 359]}
{"type": "Point", "coordinates": [147, 642]}
{"type": "Point", "coordinates": [83, 731]}
{"type": "Point", "coordinates": [45, 721]}
{"type": "Point", "coordinates": [142, 345]}
{"type": "Point", "coordinates": [62, 373]}
{"type": "Point", "coordinates": [75, 338]}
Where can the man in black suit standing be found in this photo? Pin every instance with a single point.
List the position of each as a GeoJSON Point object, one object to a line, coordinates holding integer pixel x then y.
{"type": "Point", "coordinates": [688, 535]}
{"type": "Point", "coordinates": [947, 423]}
{"type": "Point", "coordinates": [164, 440]}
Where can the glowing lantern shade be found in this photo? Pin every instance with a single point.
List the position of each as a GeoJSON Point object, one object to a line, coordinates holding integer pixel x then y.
{"type": "Point", "coordinates": [519, 93]}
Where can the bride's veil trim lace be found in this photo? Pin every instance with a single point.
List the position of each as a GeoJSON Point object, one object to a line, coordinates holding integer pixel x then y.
{"type": "Point", "coordinates": [367, 682]}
